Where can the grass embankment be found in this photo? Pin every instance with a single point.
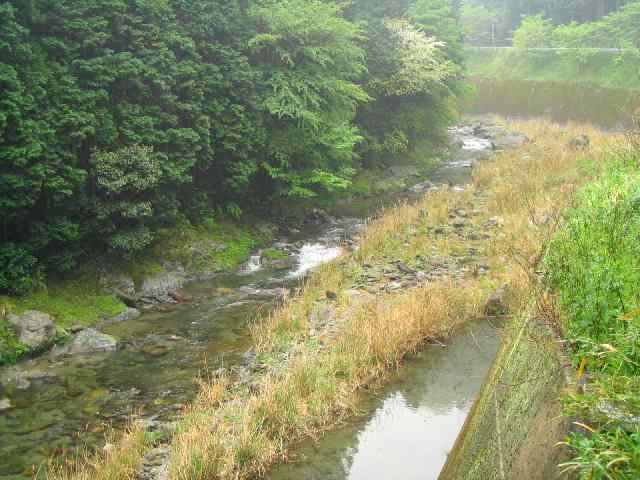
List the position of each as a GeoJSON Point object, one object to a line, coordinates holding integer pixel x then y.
{"type": "Point", "coordinates": [604, 69]}
{"type": "Point", "coordinates": [312, 366]}
{"type": "Point", "coordinates": [594, 265]}
{"type": "Point", "coordinates": [80, 298]}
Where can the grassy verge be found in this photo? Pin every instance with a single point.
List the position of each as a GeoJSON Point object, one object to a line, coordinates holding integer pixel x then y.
{"type": "Point", "coordinates": [68, 301]}
{"type": "Point", "coordinates": [318, 352]}
{"type": "Point", "coordinates": [594, 265]}
{"type": "Point", "coordinates": [605, 69]}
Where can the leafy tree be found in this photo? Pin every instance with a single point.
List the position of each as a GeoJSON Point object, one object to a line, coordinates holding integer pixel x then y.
{"type": "Point", "coordinates": [119, 117]}
{"type": "Point", "coordinates": [310, 59]}
{"type": "Point", "coordinates": [534, 32]}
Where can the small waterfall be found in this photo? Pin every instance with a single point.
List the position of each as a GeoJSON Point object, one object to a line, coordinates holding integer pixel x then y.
{"type": "Point", "coordinates": [313, 254]}
{"type": "Point", "coordinates": [253, 265]}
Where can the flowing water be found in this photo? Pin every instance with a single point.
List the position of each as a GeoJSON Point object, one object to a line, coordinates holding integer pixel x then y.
{"type": "Point", "coordinates": [66, 402]}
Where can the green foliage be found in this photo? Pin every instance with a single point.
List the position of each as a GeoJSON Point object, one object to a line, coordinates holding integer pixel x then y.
{"type": "Point", "coordinates": [71, 302]}
{"type": "Point", "coordinates": [19, 270]}
{"type": "Point", "coordinates": [310, 59]}
{"type": "Point", "coordinates": [11, 350]}
{"type": "Point", "coordinates": [480, 23]}
{"type": "Point", "coordinates": [120, 119]}
{"type": "Point", "coordinates": [126, 181]}
{"type": "Point", "coordinates": [594, 259]}
{"type": "Point", "coordinates": [273, 254]}
{"type": "Point", "coordinates": [507, 17]}
{"type": "Point", "coordinates": [211, 247]}
{"type": "Point", "coordinates": [606, 69]}
{"type": "Point", "coordinates": [594, 265]}
{"type": "Point", "coordinates": [533, 32]}
{"type": "Point", "coordinates": [412, 65]}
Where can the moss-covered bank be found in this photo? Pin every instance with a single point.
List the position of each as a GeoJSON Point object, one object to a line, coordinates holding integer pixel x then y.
{"type": "Point", "coordinates": [85, 296]}
{"type": "Point", "coordinates": [589, 66]}
{"type": "Point", "coordinates": [516, 423]}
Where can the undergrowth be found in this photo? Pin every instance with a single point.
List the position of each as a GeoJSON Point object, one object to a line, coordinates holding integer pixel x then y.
{"type": "Point", "coordinates": [594, 265]}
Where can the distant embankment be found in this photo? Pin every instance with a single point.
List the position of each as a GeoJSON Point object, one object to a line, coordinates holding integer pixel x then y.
{"type": "Point", "coordinates": [585, 85]}
{"type": "Point", "coordinates": [604, 67]}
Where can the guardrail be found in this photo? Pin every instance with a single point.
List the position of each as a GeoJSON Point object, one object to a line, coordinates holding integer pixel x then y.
{"type": "Point", "coordinates": [554, 49]}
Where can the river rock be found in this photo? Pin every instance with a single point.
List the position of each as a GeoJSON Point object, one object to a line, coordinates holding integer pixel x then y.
{"type": "Point", "coordinates": [155, 290]}
{"type": "Point", "coordinates": [128, 314]}
{"type": "Point", "coordinates": [256, 293]}
{"type": "Point", "coordinates": [510, 140]}
{"type": "Point", "coordinates": [458, 222]}
{"type": "Point", "coordinates": [90, 341]}
{"type": "Point", "coordinates": [496, 305]}
{"type": "Point", "coordinates": [5, 404]}
{"type": "Point", "coordinates": [580, 142]}
{"type": "Point", "coordinates": [33, 328]}
{"type": "Point", "coordinates": [118, 282]}
{"type": "Point", "coordinates": [322, 318]}
{"type": "Point", "coordinates": [422, 187]}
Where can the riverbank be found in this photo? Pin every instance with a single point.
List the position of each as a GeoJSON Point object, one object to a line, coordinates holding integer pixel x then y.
{"type": "Point", "coordinates": [562, 398]}
{"type": "Point", "coordinates": [617, 70]}
{"type": "Point", "coordinates": [106, 288]}
{"type": "Point", "coordinates": [147, 363]}
{"type": "Point", "coordinates": [420, 271]}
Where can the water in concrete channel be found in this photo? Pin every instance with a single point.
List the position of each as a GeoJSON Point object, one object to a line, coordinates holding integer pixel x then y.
{"type": "Point", "coordinates": [409, 426]}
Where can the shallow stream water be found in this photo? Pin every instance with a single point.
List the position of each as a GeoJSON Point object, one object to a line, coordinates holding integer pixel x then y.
{"type": "Point", "coordinates": [410, 425]}
{"type": "Point", "coordinates": [69, 402]}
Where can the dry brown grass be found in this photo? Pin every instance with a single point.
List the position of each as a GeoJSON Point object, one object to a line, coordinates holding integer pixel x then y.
{"type": "Point", "coordinates": [319, 386]}
{"type": "Point", "coordinates": [234, 432]}
{"type": "Point", "coordinates": [120, 458]}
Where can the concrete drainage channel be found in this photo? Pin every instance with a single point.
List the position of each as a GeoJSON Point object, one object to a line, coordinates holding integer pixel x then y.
{"type": "Point", "coordinates": [515, 425]}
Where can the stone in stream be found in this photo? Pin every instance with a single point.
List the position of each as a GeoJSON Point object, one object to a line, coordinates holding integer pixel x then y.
{"type": "Point", "coordinates": [128, 314]}
{"type": "Point", "coordinates": [582, 141]}
{"type": "Point", "coordinates": [458, 222]}
{"type": "Point", "coordinates": [422, 187]}
{"type": "Point", "coordinates": [89, 341]}
{"type": "Point", "coordinates": [510, 140]}
{"type": "Point", "coordinates": [33, 328]}
{"type": "Point", "coordinates": [156, 289]}
{"type": "Point", "coordinates": [5, 404]}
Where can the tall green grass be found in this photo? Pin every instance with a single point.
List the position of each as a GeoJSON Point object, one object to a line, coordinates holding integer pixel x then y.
{"type": "Point", "coordinates": [594, 265]}
{"type": "Point", "coordinates": [604, 69]}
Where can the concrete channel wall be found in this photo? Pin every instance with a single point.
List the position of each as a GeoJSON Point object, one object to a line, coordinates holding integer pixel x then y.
{"type": "Point", "coordinates": [515, 425]}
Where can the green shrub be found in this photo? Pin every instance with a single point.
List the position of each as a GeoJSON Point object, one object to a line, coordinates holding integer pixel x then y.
{"type": "Point", "coordinates": [19, 270]}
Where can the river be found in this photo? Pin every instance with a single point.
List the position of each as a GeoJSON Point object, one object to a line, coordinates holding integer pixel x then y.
{"type": "Point", "coordinates": [61, 403]}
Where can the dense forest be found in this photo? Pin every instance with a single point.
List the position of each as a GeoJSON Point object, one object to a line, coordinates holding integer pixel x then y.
{"type": "Point", "coordinates": [585, 23]}
{"type": "Point", "coordinates": [119, 117]}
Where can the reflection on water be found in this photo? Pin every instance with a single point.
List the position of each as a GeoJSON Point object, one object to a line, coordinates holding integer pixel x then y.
{"type": "Point", "coordinates": [412, 424]}
{"type": "Point", "coordinates": [561, 101]}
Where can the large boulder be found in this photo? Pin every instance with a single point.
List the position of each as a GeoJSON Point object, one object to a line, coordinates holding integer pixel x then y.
{"type": "Point", "coordinates": [90, 341]}
{"type": "Point", "coordinates": [33, 328]}
{"type": "Point", "coordinates": [155, 289]}
{"type": "Point", "coordinates": [510, 140]}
